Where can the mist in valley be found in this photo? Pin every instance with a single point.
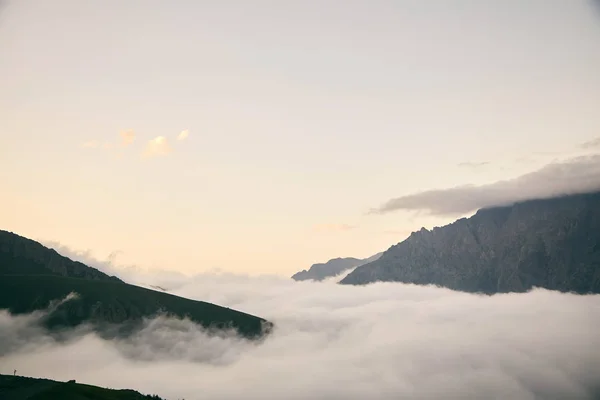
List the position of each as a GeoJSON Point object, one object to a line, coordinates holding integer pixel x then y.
{"type": "Point", "coordinates": [384, 341]}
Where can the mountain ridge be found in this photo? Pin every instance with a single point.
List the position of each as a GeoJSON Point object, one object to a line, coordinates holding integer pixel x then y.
{"type": "Point", "coordinates": [19, 254]}
{"type": "Point", "coordinates": [14, 387]}
{"type": "Point", "coordinates": [550, 243]}
{"type": "Point", "coordinates": [33, 277]}
{"type": "Point", "coordinates": [331, 268]}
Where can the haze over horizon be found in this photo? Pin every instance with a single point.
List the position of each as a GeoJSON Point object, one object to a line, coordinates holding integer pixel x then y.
{"type": "Point", "coordinates": [260, 139]}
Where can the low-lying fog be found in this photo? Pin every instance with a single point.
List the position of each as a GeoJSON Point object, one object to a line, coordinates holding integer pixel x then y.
{"type": "Point", "coordinates": [383, 341]}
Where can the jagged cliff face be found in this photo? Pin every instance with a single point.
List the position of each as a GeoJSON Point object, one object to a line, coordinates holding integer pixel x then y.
{"type": "Point", "coordinates": [552, 243]}
{"type": "Point", "coordinates": [22, 256]}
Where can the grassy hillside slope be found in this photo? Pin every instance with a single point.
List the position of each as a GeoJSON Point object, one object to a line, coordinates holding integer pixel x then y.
{"type": "Point", "coordinates": [32, 276]}
{"type": "Point", "coordinates": [19, 255]}
{"type": "Point", "coordinates": [106, 303]}
{"type": "Point", "coordinates": [22, 388]}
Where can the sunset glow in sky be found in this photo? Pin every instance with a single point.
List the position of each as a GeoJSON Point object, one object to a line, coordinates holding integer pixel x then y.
{"type": "Point", "coordinates": [257, 137]}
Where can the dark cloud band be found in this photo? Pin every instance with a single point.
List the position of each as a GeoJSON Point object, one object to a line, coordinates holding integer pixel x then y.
{"type": "Point", "coordinates": [578, 175]}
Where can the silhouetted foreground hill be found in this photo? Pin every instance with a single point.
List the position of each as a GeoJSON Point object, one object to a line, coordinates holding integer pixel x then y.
{"type": "Point", "coordinates": [113, 307]}
{"type": "Point", "coordinates": [19, 255]}
{"type": "Point", "coordinates": [22, 388]}
{"type": "Point", "coordinates": [552, 243]}
{"type": "Point", "coordinates": [333, 267]}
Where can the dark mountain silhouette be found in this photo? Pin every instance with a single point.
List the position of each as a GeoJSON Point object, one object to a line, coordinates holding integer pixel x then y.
{"type": "Point", "coordinates": [33, 277]}
{"type": "Point", "coordinates": [333, 267]}
{"type": "Point", "coordinates": [19, 255]}
{"type": "Point", "coordinates": [550, 243]}
{"type": "Point", "coordinates": [20, 387]}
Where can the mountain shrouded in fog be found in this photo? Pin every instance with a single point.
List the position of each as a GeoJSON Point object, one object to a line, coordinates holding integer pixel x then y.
{"type": "Point", "coordinates": [333, 267]}
{"type": "Point", "coordinates": [552, 243]}
{"type": "Point", "coordinates": [34, 277]}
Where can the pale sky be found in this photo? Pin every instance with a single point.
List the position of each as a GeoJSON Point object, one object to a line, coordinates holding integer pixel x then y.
{"type": "Point", "coordinates": [256, 136]}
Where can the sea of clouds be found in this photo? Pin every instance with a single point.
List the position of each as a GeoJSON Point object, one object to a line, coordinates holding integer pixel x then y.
{"type": "Point", "coordinates": [382, 341]}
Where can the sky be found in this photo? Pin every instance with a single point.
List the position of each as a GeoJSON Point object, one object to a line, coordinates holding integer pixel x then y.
{"type": "Point", "coordinates": [262, 137]}
{"type": "Point", "coordinates": [380, 341]}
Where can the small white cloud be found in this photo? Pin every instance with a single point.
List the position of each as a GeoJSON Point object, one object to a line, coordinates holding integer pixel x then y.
{"type": "Point", "coordinates": [159, 146]}
{"type": "Point", "coordinates": [183, 135]}
{"type": "Point", "coordinates": [91, 144]}
{"type": "Point", "coordinates": [127, 137]}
